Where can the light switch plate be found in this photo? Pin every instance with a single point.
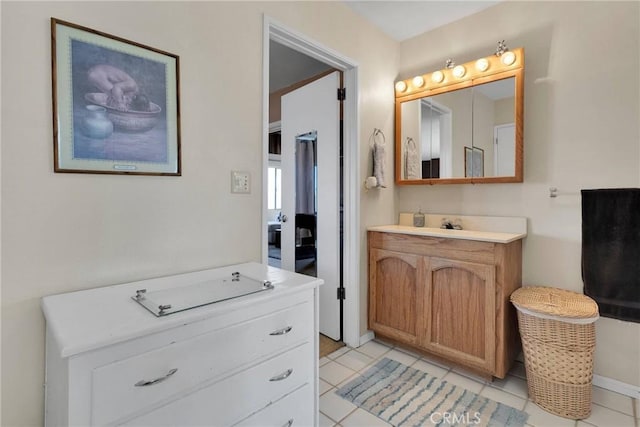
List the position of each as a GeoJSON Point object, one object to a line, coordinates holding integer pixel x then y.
{"type": "Point", "coordinates": [240, 182]}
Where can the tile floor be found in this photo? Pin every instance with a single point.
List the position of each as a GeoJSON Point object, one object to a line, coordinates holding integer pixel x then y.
{"type": "Point", "coordinates": [609, 409]}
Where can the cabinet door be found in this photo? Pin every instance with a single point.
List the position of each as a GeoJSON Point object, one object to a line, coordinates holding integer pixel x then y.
{"type": "Point", "coordinates": [396, 294]}
{"type": "Point", "coordinates": [460, 313]}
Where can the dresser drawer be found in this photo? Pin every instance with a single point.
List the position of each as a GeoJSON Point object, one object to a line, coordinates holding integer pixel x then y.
{"type": "Point", "coordinates": [293, 410]}
{"type": "Point", "coordinates": [234, 398]}
{"type": "Point", "coordinates": [127, 386]}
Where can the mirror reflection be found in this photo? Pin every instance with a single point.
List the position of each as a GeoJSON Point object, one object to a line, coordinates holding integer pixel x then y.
{"type": "Point", "coordinates": [464, 133]}
{"type": "Point", "coordinates": [462, 124]}
{"type": "Point", "coordinates": [494, 127]}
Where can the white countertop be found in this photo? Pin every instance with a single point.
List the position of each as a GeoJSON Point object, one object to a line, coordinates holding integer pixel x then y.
{"type": "Point", "coordinates": [484, 236]}
{"type": "Point", "coordinates": [78, 320]}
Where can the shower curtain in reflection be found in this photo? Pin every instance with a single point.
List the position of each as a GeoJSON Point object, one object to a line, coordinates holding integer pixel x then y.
{"type": "Point", "coordinates": [305, 176]}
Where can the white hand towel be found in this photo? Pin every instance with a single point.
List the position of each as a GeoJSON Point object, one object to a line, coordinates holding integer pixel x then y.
{"type": "Point", "coordinates": [378, 163]}
{"type": "Point", "coordinates": [412, 162]}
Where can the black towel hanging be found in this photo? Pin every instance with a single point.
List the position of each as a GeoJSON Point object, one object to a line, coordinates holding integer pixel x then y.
{"type": "Point", "coordinates": [611, 251]}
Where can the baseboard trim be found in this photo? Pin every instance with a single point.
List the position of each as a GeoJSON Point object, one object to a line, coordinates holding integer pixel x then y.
{"type": "Point", "coordinates": [368, 336]}
{"type": "Point", "coordinates": [617, 386]}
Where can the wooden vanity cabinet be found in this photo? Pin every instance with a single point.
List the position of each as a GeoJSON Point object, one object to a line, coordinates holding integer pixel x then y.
{"type": "Point", "coordinates": [447, 297]}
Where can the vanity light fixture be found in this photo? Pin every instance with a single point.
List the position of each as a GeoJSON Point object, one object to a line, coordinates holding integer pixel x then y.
{"type": "Point", "coordinates": [508, 58]}
{"type": "Point", "coordinates": [401, 86]}
{"type": "Point", "coordinates": [469, 73]}
{"type": "Point", "coordinates": [418, 81]}
{"type": "Point", "coordinates": [459, 71]}
{"type": "Point", "coordinates": [482, 64]}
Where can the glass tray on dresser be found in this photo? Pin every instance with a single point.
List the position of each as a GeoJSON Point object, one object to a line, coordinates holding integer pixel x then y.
{"type": "Point", "coordinates": [168, 301]}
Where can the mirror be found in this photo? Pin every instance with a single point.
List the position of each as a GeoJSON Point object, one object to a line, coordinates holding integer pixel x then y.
{"type": "Point", "coordinates": [464, 129]}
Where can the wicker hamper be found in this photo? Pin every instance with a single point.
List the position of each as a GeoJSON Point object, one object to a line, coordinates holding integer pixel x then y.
{"type": "Point", "coordinates": [558, 340]}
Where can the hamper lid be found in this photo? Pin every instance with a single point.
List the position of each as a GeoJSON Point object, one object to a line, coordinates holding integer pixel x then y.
{"type": "Point", "coordinates": [555, 302]}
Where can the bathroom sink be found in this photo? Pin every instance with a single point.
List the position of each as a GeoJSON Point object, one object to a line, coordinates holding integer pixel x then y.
{"type": "Point", "coordinates": [481, 228]}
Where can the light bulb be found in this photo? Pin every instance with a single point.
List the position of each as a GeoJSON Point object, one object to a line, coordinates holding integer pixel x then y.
{"type": "Point", "coordinates": [482, 64]}
{"type": "Point", "coordinates": [437, 77]}
{"type": "Point", "coordinates": [459, 71]}
{"type": "Point", "coordinates": [418, 81]}
{"type": "Point", "coordinates": [508, 58]}
{"type": "Point", "coordinates": [401, 86]}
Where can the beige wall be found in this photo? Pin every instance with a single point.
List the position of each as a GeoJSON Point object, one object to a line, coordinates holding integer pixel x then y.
{"type": "Point", "coordinates": [580, 131]}
{"type": "Point", "coordinates": [65, 232]}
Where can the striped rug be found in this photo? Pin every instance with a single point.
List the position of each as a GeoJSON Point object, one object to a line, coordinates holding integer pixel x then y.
{"type": "Point", "coordinates": [403, 396]}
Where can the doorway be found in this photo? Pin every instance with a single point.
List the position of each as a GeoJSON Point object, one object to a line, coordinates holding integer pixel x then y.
{"type": "Point", "coordinates": [351, 191]}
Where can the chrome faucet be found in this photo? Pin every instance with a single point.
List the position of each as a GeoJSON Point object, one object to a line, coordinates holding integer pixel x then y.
{"type": "Point", "coordinates": [456, 224]}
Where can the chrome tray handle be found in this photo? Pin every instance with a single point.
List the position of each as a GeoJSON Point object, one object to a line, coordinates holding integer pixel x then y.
{"type": "Point", "coordinates": [144, 383]}
{"type": "Point", "coordinates": [282, 331]}
{"type": "Point", "coordinates": [282, 376]}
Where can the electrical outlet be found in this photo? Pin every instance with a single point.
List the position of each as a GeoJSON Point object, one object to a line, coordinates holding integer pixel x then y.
{"type": "Point", "coordinates": [240, 182]}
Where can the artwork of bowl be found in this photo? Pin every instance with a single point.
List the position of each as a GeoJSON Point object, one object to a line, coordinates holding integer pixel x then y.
{"type": "Point", "coordinates": [127, 121]}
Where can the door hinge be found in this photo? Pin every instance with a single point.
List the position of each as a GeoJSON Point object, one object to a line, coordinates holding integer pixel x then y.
{"type": "Point", "coordinates": [341, 294]}
{"type": "Point", "coordinates": [342, 94]}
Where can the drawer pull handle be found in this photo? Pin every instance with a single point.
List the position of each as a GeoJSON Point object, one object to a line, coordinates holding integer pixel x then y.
{"type": "Point", "coordinates": [144, 383]}
{"type": "Point", "coordinates": [282, 376]}
{"type": "Point", "coordinates": [288, 423]}
{"type": "Point", "coordinates": [282, 331]}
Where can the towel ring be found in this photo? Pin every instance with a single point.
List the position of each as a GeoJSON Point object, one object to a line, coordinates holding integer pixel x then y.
{"type": "Point", "coordinates": [375, 133]}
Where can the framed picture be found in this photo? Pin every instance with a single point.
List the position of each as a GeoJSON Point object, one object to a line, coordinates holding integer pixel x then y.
{"type": "Point", "coordinates": [116, 106]}
{"type": "Point", "coordinates": [473, 162]}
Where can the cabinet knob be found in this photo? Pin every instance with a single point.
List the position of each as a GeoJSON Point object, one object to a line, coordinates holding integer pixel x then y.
{"type": "Point", "coordinates": [282, 331]}
{"type": "Point", "coordinates": [144, 383]}
{"type": "Point", "coordinates": [288, 423]}
{"type": "Point", "coordinates": [282, 376]}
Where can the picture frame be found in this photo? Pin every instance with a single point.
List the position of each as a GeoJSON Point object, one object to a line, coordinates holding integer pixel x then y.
{"type": "Point", "coordinates": [473, 162]}
{"type": "Point", "coordinates": [116, 104]}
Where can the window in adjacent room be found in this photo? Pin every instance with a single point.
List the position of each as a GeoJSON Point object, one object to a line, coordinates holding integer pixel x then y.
{"type": "Point", "coordinates": [274, 188]}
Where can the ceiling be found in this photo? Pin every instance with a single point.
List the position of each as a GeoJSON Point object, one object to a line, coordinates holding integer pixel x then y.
{"type": "Point", "coordinates": [288, 66]}
{"type": "Point", "coordinates": [400, 20]}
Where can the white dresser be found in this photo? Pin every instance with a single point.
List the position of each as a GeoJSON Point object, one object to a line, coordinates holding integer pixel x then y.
{"type": "Point", "coordinates": [248, 361]}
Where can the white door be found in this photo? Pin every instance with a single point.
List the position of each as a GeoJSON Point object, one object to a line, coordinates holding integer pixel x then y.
{"type": "Point", "coordinates": [505, 150]}
{"type": "Point", "coordinates": [315, 108]}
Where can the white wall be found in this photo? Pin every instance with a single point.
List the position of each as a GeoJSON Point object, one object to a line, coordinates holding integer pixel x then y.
{"type": "Point", "coordinates": [65, 232]}
{"type": "Point", "coordinates": [580, 131]}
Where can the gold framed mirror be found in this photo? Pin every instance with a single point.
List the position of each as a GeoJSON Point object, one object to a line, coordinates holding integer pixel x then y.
{"type": "Point", "coordinates": [462, 124]}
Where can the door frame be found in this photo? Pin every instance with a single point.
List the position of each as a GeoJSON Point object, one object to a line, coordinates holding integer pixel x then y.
{"type": "Point", "coordinates": [496, 129]}
{"type": "Point", "coordinates": [273, 30]}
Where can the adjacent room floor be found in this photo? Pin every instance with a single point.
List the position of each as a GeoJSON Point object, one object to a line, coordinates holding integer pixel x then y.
{"type": "Point", "coordinates": [328, 346]}
{"type": "Point", "coordinates": [609, 409]}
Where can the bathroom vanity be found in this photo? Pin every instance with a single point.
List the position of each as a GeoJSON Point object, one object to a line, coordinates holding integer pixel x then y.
{"type": "Point", "coordinates": [446, 292]}
{"type": "Point", "coordinates": [247, 360]}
